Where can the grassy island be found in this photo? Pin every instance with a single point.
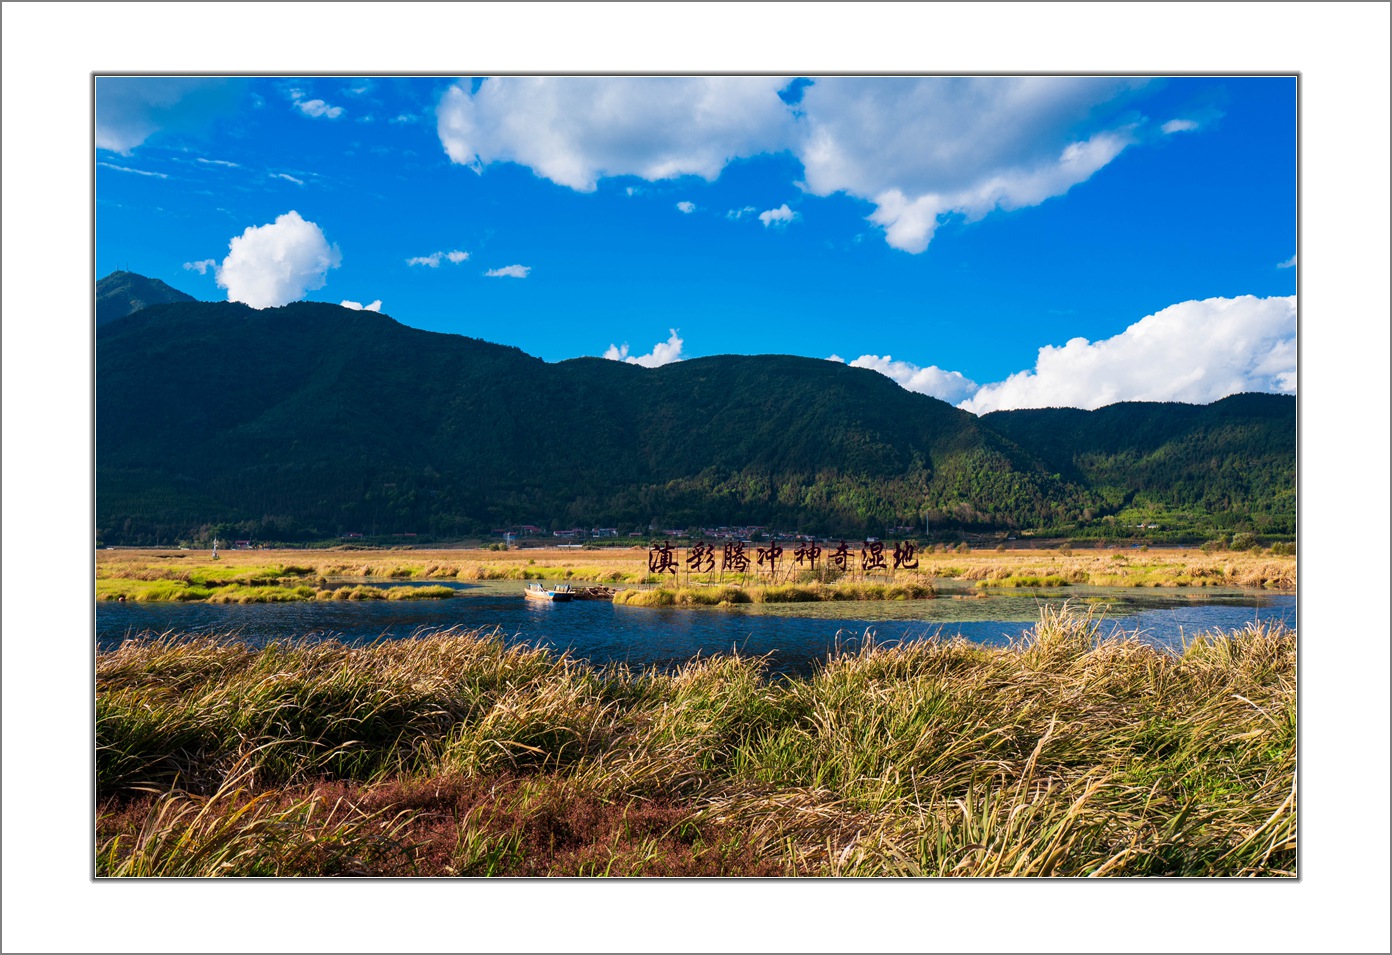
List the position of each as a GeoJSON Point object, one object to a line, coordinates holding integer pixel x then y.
{"type": "Point", "coordinates": [456, 754]}
{"type": "Point", "coordinates": [717, 596]}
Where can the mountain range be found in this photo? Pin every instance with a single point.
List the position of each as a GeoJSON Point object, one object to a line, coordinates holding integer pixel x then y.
{"type": "Point", "coordinates": [312, 421]}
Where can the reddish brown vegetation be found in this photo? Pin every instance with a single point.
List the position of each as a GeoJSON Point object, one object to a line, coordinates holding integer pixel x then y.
{"type": "Point", "coordinates": [535, 826]}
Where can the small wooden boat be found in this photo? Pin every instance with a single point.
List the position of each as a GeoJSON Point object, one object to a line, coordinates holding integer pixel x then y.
{"type": "Point", "coordinates": [556, 594]}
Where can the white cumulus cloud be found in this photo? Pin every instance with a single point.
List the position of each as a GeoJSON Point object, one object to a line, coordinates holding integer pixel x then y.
{"type": "Point", "coordinates": [576, 130]}
{"type": "Point", "coordinates": [509, 271]}
{"type": "Point", "coordinates": [932, 380]}
{"type": "Point", "coordinates": [433, 259]}
{"type": "Point", "coordinates": [780, 216]}
{"type": "Point", "coordinates": [270, 265]}
{"type": "Point", "coordinates": [201, 267]}
{"type": "Point", "coordinates": [921, 148]}
{"type": "Point", "coordinates": [918, 149]}
{"type": "Point", "coordinates": [909, 221]}
{"type": "Point", "coordinates": [687, 207]}
{"type": "Point", "coordinates": [1179, 126]}
{"type": "Point", "coordinates": [376, 306]}
{"type": "Point", "coordinates": [1195, 352]}
{"type": "Point", "coordinates": [662, 353]}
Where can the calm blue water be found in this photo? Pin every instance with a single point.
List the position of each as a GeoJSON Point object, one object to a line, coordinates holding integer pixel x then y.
{"type": "Point", "coordinates": [795, 635]}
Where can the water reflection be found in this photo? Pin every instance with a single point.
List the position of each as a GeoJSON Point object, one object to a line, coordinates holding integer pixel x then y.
{"type": "Point", "coordinates": [794, 635]}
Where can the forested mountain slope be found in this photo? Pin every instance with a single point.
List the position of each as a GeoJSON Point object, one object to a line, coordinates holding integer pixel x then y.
{"type": "Point", "coordinates": [312, 420]}
{"type": "Point", "coordinates": [122, 293]}
{"type": "Point", "coordinates": [1235, 456]}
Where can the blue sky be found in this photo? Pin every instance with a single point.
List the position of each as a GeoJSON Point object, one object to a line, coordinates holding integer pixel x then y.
{"type": "Point", "coordinates": [993, 241]}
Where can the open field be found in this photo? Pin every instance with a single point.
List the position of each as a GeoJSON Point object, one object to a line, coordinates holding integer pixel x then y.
{"type": "Point", "coordinates": [257, 575]}
{"type": "Point", "coordinates": [452, 754]}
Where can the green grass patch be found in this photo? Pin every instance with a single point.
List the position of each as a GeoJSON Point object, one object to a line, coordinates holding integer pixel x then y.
{"type": "Point", "coordinates": [244, 589]}
{"type": "Point", "coordinates": [151, 590]}
{"type": "Point", "coordinates": [365, 592]}
{"type": "Point", "coordinates": [438, 592]}
{"type": "Point", "coordinates": [1025, 580]}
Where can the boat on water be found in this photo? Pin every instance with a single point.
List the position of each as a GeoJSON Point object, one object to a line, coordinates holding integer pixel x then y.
{"type": "Point", "coordinates": [558, 594]}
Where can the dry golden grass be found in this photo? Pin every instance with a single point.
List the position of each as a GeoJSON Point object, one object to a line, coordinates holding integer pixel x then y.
{"type": "Point", "coordinates": [462, 564]}
{"type": "Point", "coordinates": [1154, 567]}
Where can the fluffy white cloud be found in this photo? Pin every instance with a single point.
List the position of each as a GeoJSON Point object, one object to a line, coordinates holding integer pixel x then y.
{"type": "Point", "coordinates": [737, 214]}
{"type": "Point", "coordinates": [270, 265]}
{"type": "Point", "coordinates": [662, 353]}
{"type": "Point", "coordinates": [376, 306]}
{"type": "Point", "coordinates": [576, 130]}
{"type": "Point", "coordinates": [1196, 352]}
{"type": "Point", "coordinates": [909, 222]}
{"type": "Point", "coordinates": [1179, 126]}
{"type": "Point", "coordinates": [202, 266]}
{"type": "Point", "coordinates": [1288, 264]}
{"type": "Point", "coordinates": [926, 147]}
{"type": "Point", "coordinates": [918, 149]}
{"type": "Point", "coordinates": [509, 271]}
{"type": "Point", "coordinates": [687, 207]}
{"type": "Point", "coordinates": [433, 259]}
{"type": "Point", "coordinates": [780, 216]}
{"type": "Point", "coordinates": [131, 109]}
{"type": "Point", "coordinates": [947, 385]}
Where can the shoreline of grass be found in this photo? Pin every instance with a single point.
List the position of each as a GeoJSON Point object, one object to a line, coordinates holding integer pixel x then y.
{"type": "Point", "coordinates": [198, 576]}
{"type": "Point", "coordinates": [454, 753]}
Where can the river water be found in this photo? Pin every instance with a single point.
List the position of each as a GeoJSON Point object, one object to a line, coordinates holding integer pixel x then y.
{"type": "Point", "coordinates": [794, 635]}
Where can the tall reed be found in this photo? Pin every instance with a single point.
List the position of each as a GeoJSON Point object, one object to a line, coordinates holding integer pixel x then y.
{"type": "Point", "coordinates": [1073, 752]}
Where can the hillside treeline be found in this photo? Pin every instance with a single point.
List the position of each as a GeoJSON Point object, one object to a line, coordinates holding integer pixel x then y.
{"type": "Point", "coordinates": [313, 421]}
